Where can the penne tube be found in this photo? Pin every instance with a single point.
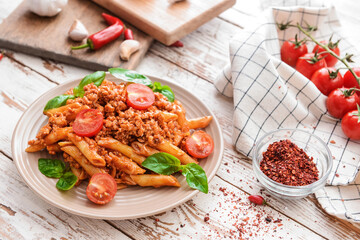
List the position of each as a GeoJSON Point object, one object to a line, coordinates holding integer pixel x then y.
{"type": "Point", "coordinates": [168, 116]}
{"type": "Point", "coordinates": [154, 180]}
{"type": "Point", "coordinates": [35, 148]}
{"type": "Point", "coordinates": [65, 143]}
{"type": "Point", "coordinates": [143, 149]}
{"type": "Point", "coordinates": [181, 116]}
{"type": "Point", "coordinates": [79, 173]}
{"type": "Point", "coordinates": [85, 149]}
{"type": "Point", "coordinates": [128, 151]}
{"type": "Point", "coordinates": [75, 153]}
{"type": "Point", "coordinates": [121, 186]}
{"type": "Point", "coordinates": [170, 148]}
{"type": "Point", "coordinates": [70, 110]}
{"type": "Point", "coordinates": [53, 148]}
{"type": "Point", "coordinates": [57, 135]}
{"type": "Point", "coordinates": [201, 122]}
{"type": "Point", "coordinates": [126, 165]}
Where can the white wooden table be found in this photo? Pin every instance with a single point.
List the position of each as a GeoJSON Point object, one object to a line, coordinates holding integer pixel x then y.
{"type": "Point", "coordinates": [23, 215]}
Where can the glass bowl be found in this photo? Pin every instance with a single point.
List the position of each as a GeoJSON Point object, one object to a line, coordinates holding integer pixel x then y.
{"type": "Point", "coordinates": [311, 144]}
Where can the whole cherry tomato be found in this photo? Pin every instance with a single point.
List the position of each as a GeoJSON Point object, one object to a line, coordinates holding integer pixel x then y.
{"type": "Point", "coordinates": [330, 60]}
{"type": "Point", "coordinates": [350, 80]}
{"type": "Point", "coordinates": [292, 49]}
{"type": "Point", "coordinates": [350, 124]}
{"type": "Point", "coordinates": [340, 101]}
{"type": "Point", "coordinates": [308, 63]}
{"type": "Point", "coordinates": [327, 79]}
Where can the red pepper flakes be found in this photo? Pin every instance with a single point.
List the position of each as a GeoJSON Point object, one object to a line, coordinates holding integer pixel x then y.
{"type": "Point", "coordinates": [332, 142]}
{"type": "Point", "coordinates": [286, 163]}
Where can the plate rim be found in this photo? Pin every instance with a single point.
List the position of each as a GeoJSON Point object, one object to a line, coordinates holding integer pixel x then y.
{"type": "Point", "coordinates": [150, 213]}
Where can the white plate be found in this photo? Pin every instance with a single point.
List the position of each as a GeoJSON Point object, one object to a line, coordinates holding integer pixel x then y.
{"type": "Point", "coordinates": [131, 202]}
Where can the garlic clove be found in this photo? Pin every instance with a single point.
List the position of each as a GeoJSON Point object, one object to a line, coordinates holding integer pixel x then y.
{"type": "Point", "coordinates": [77, 31]}
{"type": "Point", "coordinates": [46, 8]}
{"type": "Point", "coordinates": [127, 48]}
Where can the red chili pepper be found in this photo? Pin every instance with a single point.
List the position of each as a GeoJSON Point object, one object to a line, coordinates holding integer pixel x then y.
{"type": "Point", "coordinates": [1, 55]}
{"type": "Point", "coordinates": [128, 34]}
{"type": "Point", "coordinates": [258, 200]}
{"type": "Point", "coordinates": [103, 37]}
{"type": "Point", "coordinates": [177, 44]}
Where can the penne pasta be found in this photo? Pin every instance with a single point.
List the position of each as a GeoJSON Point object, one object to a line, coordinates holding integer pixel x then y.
{"type": "Point", "coordinates": [201, 122]}
{"type": "Point", "coordinates": [75, 153]}
{"type": "Point", "coordinates": [143, 149]}
{"type": "Point", "coordinates": [85, 149]}
{"type": "Point", "coordinates": [53, 148]}
{"type": "Point", "coordinates": [70, 110]}
{"type": "Point", "coordinates": [57, 135]}
{"type": "Point", "coordinates": [35, 148]}
{"type": "Point", "coordinates": [126, 165]}
{"type": "Point", "coordinates": [155, 180]}
{"type": "Point", "coordinates": [65, 143]}
{"type": "Point", "coordinates": [168, 147]}
{"type": "Point", "coordinates": [168, 116]}
{"type": "Point", "coordinates": [128, 151]}
{"type": "Point", "coordinates": [79, 173]}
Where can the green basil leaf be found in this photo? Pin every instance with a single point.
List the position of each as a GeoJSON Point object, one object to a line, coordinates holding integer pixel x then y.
{"type": "Point", "coordinates": [169, 94]}
{"type": "Point", "coordinates": [51, 167]}
{"type": "Point", "coordinates": [130, 76]}
{"type": "Point", "coordinates": [67, 181]}
{"type": "Point", "coordinates": [164, 90]}
{"type": "Point", "coordinates": [162, 163]}
{"type": "Point", "coordinates": [97, 78]}
{"type": "Point", "coordinates": [57, 101]}
{"type": "Point", "coordinates": [195, 177]}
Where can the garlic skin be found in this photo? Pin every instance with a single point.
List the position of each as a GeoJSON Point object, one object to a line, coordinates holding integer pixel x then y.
{"type": "Point", "coordinates": [127, 48]}
{"type": "Point", "coordinates": [77, 31]}
{"type": "Point", "coordinates": [46, 8]}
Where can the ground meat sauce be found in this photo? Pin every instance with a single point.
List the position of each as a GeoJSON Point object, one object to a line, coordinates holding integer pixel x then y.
{"type": "Point", "coordinates": [286, 163]}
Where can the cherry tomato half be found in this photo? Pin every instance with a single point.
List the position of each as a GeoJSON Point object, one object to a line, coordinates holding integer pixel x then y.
{"type": "Point", "coordinates": [350, 125]}
{"type": "Point", "coordinates": [338, 104]}
{"type": "Point", "coordinates": [139, 96]}
{"type": "Point", "coordinates": [199, 144]}
{"type": "Point", "coordinates": [290, 51]}
{"type": "Point", "coordinates": [88, 122]}
{"type": "Point", "coordinates": [330, 60]}
{"type": "Point", "coordinates": [101, 189]}
{"type": "Point", "coordinates": [327, 79]}
{"type": "Point", "coordinates": [350, 80]}
{"type": "Point", "coordinates": [307, 64]}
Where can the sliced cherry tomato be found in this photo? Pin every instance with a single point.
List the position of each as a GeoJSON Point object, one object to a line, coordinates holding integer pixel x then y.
{"type": "Point", "coordinates": [291, 50]}
{"type": "Point", "coordinates": [350, 80]}
{"type": "Point", "coordinates": [199, 144]}
{"type": "Point", "coordinates": [327, 79]}
{"type": "Point", "coordinates": [310, 62]}
{"type": "Point", "coordinates": [330, 60]}
{"type": "Point", "coordinates": [139, 96]}
{"type": "Point", "coordinates": [88, 122]}
{"type": "Point", "coordinates": [101, 189]}
{"type": "Point", "coordinates": [350, 124]}
{"type": "Point", "coordinates": [340, 101]}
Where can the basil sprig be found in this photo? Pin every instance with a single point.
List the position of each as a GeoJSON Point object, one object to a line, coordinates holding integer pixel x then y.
{"type": "Point", "coordinates": [97, 78]}
{"type": "Point", "coordinates": [132, 76]}
{"type": "Point", "coordinates": [55, 168]}
{"type": "Point", "coordinates": [166, 164]}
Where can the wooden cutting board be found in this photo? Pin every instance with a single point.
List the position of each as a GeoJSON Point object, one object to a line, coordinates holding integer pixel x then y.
{"type": "Point", "coordinates": [47, 37]}
{"type": "Point", "coordinates": [164, 21]}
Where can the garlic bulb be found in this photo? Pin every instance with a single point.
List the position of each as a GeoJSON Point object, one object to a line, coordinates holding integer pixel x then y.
{"type": "Point", "coordinates": [77, 31]}
{"type": "Point", "coordinates": [46, 8]}
{"type": "Point", "coordinates": [127, 48]}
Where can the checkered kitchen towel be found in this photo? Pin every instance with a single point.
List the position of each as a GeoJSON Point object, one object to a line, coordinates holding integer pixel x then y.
{"type": "Point", "coordinates": [268, 94]}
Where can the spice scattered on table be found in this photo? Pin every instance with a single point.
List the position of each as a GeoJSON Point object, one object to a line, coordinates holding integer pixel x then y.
{"type": "Point", "coordinates": [286, 163]}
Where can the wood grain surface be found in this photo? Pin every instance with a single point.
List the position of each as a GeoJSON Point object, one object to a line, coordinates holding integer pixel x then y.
{"type": "Point", "coordinates": [164, 21]}
{"type": "Point", "coordinates": [25, 216]}
{"type": "Point", "coordinates": [47, 37]}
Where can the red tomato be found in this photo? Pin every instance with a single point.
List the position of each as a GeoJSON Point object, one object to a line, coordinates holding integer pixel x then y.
{"type": "Point", "coordinates": [350, 124]}
{"type": "Point", "coordinates": [101, 189]}
{"type": "Point", "coordinates": [199, 144]}
{"type": "Point", "coordinates": [327, 79]}
{"type": "Point", "coordinates": [291, 50]}
{"type": "Point", "coordinates": [88, 122]}
{"type": "Point", "coordinates": [340, 101]}
{"type": "Point", "coordinates": [139, 96]}
{"type": "Point", "coordinates": [350, 80]}
{"type": "Point", "coordinates": [330, 60]}
{"type": "Point", "coordinates": [310, 62]}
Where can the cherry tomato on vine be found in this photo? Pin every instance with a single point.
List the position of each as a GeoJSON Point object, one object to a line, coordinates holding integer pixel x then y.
{"type": "Point", "coordinates": [292, 49]}
{"type": "Point", "coordinates": [330, 60]}
{"type": "Point", "coordinates": [139, 96]}
{"type": "Point", "coordinates": [340, 101]}
{"type": "Point", "coordinates": [350, 124]}
{"type": "Point", "coordinates": [101, 189]}
{"type": "Point", "coordinates": [350, 80]}
{"type": "Point", "coordinates": [88, 122]}
{"type": "Point", "coordinates": [199, 144]}
{"type": "Point", "coordinates": [327, 79]}
{"type": "Point", "coordinates": [308, 63]}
